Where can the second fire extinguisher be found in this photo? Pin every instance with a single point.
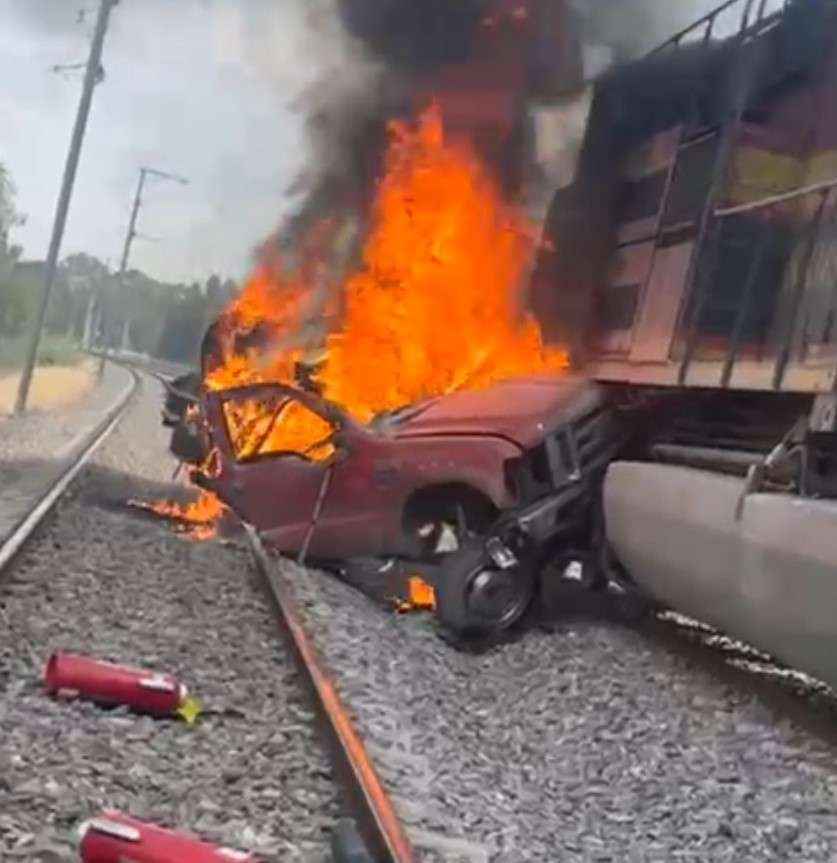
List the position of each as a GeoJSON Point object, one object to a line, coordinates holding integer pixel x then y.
{"type": "Point", "coordinates": [116, 838]}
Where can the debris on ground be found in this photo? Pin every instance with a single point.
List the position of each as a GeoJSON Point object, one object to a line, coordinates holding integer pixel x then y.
{"type": "Point", "coordinates": [69, 676]}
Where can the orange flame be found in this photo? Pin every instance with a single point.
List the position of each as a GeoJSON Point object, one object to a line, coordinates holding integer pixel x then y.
{"type": "Point", "coordinates": [199, 519]}
{"type": "Point", "coordinates": [434, 308]}
{"type": "Point", "coordinates": [420, 596]}
{"type": "Point", "coordinates": [270, 300]}
{"type": "Point", "coordinates": [202, 515]}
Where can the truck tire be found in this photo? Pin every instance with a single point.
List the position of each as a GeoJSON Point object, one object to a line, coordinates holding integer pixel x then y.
{"type": "Point", "coordinates": [475, 598]}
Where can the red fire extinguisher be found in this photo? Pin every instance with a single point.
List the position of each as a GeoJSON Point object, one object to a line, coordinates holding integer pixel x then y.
{"type": "Point", "coordinates": [70, 676]}
{"type": "Point", "coordinates": [116, 838]}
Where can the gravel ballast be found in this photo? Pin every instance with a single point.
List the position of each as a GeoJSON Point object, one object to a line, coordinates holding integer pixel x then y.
{"type": "Point", "coordinates": [109, 583]}
{"type": "Point", "coordinates": [587, 741]}
{"type": "Point", "coordinates": [37, 448]}
{"type": "Point", "coordinates": [592, 741]}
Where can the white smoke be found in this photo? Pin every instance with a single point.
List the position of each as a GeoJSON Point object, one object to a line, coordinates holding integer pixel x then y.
{"type": "Point", "coordinates": [632, 27]}
{"type": "Point", "coordinates": [613, 31]}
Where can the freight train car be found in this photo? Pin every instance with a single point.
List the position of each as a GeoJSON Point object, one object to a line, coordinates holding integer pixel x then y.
{"type": "Point", "coordinates": [692, 266]}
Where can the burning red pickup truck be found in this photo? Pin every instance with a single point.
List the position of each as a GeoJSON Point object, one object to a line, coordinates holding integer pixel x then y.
{"type": "Point", "coordinates": [474, 490]}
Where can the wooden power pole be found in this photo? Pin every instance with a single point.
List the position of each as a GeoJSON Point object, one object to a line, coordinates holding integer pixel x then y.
{"type": "Point", "coordinates": [91, 78]}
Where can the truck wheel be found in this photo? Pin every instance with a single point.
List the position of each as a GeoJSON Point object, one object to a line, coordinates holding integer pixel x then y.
{"type": "Point", "coordinates": [475, 597]}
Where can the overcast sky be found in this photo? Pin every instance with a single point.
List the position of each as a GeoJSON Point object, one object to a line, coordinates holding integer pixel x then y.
{"type": "Point", "coordinates": [203, 88]}
{"type": "Point", "coordinates": [196, 87]}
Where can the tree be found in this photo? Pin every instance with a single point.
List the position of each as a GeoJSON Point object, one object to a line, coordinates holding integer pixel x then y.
{"type": "Point", "coordinates": [213, 289]}
{"type": "Point", "coordinates": [85, 270]}
{"type": "Point", "coordinates": [185, 325]}
{"type": "Point", "coordinates": [13, 298]}
{"type": "Point", "coordinates": [162, 319]}
{"type": "Point", "coordinates": [10, 217]}
{"type": "Point", "coordinates": [86, 279]}
{"type": "Point", "coordinates": [230, 290]}
{"type": "Point", "coordinates": [218, 296]}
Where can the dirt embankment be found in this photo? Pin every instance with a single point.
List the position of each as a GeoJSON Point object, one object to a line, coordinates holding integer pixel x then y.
{"type": "Point", "coordinates": [52, 386]}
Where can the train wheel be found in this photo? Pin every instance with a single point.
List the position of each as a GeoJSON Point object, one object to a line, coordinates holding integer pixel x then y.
{"type": "Point", "coordinates": [627, 600]}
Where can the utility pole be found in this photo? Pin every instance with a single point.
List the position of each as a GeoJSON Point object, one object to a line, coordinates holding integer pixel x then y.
{"type": "Point", "coordinates": [132, 224]}
{"type": "Point", "coordinates": [91, 78]}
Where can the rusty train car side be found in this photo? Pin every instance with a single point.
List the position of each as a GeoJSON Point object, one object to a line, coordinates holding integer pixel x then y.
{"type": "Point", "coordinates": [693, 269]}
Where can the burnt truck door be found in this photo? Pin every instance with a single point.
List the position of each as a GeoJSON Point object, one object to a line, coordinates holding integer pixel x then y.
{"type": "Point", "coordinates": [275, 447]}
{"type": "Point", "coordinates": [287, 456]}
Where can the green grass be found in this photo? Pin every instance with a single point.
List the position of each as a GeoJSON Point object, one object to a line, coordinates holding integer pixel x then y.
{"type": "Point", "coordinates": [54, 351]}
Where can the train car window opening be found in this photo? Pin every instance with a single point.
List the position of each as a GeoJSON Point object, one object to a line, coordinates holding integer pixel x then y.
{"type": "Point", "coordinates": [690, 182]}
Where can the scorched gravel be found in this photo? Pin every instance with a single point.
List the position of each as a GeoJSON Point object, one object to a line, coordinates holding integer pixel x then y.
{"type": "Point", "coordinates": [590, 742]}
{"type": "Point", "coordinates": [105, 582]}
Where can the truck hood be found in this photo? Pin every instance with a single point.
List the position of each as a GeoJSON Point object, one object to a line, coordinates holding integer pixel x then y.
{"type": "Point", "coordinates": [521, 410]}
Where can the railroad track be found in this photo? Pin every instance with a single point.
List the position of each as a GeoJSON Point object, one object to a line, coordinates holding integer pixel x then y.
{"type": "Point", "coordinates": [586, 740]}
{"type": "Point", "coordinates": [382, 830]}
{"type": "Point", "coordinates": [43, 505]}
{"type": "Point", "coordinates": [373, 832]}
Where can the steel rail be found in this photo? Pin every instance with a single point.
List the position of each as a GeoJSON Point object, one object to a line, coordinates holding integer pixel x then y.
{"type": "Point", "coordinates": [373, 809]}
{"type": "Point", "coordinates": [11, 545]}
{"type": "Point", "coordinates": [376, 818]}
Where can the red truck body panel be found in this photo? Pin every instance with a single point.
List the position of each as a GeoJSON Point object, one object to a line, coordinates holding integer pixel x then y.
{"type": "Point", "coordinates": [463, 439]}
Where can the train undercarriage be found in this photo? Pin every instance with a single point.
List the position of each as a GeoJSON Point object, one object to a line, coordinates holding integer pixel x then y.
{"type": "Point", "coordinates": [700, 237]}
{"type": "Point", "coordinates": [729, 516]}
